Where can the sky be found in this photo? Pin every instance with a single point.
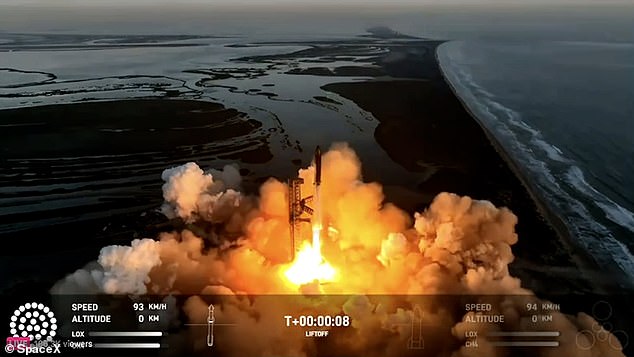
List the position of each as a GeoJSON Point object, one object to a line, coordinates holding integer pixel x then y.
{"type": "Point", "coordinates": [434, 18]}
{"type": "Point", "coordinates": [83, 3]}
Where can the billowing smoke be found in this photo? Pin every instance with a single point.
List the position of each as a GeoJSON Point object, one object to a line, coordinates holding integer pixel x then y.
{"type": "Point", "coordinates": [382, 256]}
{"type": "Point", "coordinates": [119, 270]}
{"type": "Point", "coordinates": [191, 194]}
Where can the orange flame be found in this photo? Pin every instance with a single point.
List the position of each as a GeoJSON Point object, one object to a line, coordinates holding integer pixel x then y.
{"type": "Point", "coordinates": [309, 265]}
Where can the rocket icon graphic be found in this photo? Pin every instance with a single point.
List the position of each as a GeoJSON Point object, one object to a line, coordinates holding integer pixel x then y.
{"type": "Point", "coordinates": [210, 326]}
{"type": "Point", "coordinates": [416, 341]}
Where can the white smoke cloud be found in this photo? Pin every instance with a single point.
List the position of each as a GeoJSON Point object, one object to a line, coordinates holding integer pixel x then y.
{"type": "Point", "coordinates": [119, 270]}
{"type": "Point", "coordinates": [126, 269]}
{"type": "Point", "coordinates": [190, 193]}
{"type": "Point", "coordinates": [469, 238]}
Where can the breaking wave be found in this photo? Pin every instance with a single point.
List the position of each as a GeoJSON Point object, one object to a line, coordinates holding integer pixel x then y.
{"type": "Point", "coordinates": [559, 180]}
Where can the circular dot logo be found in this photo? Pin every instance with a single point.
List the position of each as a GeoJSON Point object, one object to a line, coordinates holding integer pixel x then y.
{"type": "Point", "coordinates": [33, 320]}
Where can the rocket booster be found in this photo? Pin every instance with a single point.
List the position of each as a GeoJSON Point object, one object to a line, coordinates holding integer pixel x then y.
{"type": "Point", "coordinates": [317, 166]}
{"type": "Point", "coordinates": [317, 223]}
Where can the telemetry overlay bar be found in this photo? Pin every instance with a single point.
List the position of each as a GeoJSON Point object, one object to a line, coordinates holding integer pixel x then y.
{"type": "Point", "coordinates": [526, 344]}
{"type": "Point", "coordinates": [127, 345]}
{"type": "Point", "coordinates": [125, 333]}
{"type": "Point", "coordinates": [524, 334]}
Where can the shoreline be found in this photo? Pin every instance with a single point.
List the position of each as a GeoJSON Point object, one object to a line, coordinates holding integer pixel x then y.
{"type": "Point", "coordinates": [456, 172]}
{"type": "Point", "coordinates": [583, 259]}
{"type": "Point", "coordinates": [546, 259]}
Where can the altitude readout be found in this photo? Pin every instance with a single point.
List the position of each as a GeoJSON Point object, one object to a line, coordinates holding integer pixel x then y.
{"type": "Point", "coordinates": [317, 321]}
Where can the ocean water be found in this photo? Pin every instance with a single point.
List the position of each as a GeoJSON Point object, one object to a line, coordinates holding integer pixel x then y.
{"type": "Point", "coordinates": [564, 111]}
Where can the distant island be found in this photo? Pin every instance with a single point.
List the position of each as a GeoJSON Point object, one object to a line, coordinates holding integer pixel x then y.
{"type": "Point", "coordinates": [385, 32]}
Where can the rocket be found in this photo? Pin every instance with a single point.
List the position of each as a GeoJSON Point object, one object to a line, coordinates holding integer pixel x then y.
{"type": "Point", "coordinates": [317, 223]}
{"type": "Point", "coordinates": [297, 206]}
{"type": "Point", "coordinates": [317, 166]}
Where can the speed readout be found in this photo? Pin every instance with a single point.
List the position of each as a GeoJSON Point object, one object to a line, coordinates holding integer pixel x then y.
{"type": "Point", "coordinates": [317, 321]}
